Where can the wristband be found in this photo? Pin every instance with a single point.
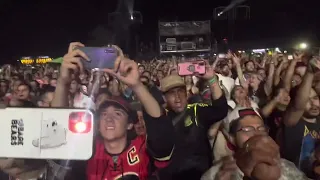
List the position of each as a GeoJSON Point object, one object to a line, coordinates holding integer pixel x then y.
{"type": "Point", "coordinates": [213, 80]}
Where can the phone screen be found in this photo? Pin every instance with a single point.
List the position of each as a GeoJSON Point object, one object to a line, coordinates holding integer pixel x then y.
{"type": "Point", "coordinates": [290, 57]}
{"type": "Point", "coordinates": [100, 58]}
{"type": "Point", "coordinates": [222, 56]}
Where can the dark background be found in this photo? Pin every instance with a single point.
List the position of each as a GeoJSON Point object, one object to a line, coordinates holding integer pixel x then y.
{"type": "Point", "coordinates": [46, 27]}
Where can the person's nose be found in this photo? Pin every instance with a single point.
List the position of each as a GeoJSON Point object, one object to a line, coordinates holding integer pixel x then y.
{"type": "Point", "coordinates": [109, 118]}
{"type": "Point", "coordinates": [177, 98]}
{"type": "Point", "coordinates": [315, 103]}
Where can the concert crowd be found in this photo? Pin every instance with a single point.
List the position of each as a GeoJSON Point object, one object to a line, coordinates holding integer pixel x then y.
{"type": "Point", "coordinates": [247, 117]}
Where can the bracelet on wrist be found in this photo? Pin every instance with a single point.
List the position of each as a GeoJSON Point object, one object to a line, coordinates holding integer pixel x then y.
{"type": "Point", "coordinates": [213, 80]}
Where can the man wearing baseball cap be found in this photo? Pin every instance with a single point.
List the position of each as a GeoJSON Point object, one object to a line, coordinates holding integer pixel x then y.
{"type": "Point", "coordinates": [255, 156]}
{"type": "Point", "coordinates": [192, 121]}
{"type": "Point", "coordinates": [117, 155]}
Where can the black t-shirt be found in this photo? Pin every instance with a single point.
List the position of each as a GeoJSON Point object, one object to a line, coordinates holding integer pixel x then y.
{"type": "Point", "coordinates": [157, 94]}
{"type": "Point", "coordinates": [260, 97]}
{"type": "Point", "coordinates": [299, 143]}
{"type": "Point", "coordinates": [274, 122]}
{"type": "Point", "coordinates": [195, 99]}
{"type": "Point", "coordinates": [191, 157]}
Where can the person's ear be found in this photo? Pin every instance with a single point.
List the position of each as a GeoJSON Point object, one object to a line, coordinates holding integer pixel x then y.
{"type": "Point", "coordinates": [129, 126]}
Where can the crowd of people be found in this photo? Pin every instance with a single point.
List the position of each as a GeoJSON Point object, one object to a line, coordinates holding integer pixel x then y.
{"type": "Point", "coordinates": [247, 117]}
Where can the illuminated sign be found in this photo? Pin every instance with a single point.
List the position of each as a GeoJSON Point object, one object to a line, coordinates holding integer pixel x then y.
{"type": "Point", "coordinates": [38, 60]}
{"type": "Point", "coordinates": [43, 59]}
{"type": "Point", "coordinates": [27, 60]}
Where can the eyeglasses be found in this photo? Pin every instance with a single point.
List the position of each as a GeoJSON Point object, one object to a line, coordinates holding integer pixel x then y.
{"type": "Point", "coordinates": [251, 129]}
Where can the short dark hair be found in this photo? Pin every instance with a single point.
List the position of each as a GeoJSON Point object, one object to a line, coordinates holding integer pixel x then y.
{"type": "Point", "coordinates": [25, 84]}
{"type": "Point", "coordinates": [37, 83]}
{"type": "Point", "coordinates": [147, 72]}
{"type": "Point", "coordinates": [141, 65]}
{"type": "Point", "coordinates": [45, 90]}
{"type": "Point", "coordinates": [248, 62]}
{"type": "Point", "coordinates": [234, 125]}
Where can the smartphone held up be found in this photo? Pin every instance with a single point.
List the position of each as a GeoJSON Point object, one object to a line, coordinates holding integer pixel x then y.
{"type": "Point", "coordinates": [100, 57]}
{"type": "Point", "coordinates": [192, 68]}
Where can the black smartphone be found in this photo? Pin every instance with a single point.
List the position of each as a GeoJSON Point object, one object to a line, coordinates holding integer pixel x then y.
{"type": "Point", "coordinates": [100, 57]}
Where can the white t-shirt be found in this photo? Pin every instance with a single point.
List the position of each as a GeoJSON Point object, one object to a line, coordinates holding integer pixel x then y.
{"type": "Point", "coordinates": [227, 82]}
{"type": "Point", "coordinates": [232, 104]}
{"type": "Point", "coordinates": [83, 101]}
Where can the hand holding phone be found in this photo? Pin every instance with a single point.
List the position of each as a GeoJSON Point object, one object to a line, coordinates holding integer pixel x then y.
{"type": "Point", "coordinates": [79, 58]}
{"type": "Point", "coordinates": [71, 62]}
{"type": "Point", "coordinates": [191, 68]}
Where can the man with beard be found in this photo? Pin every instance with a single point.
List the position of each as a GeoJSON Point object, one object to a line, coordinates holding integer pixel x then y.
{"type": "Point", "coordinates": [224, 77]}
{"type": "Point", "coordinates": [301, 124]}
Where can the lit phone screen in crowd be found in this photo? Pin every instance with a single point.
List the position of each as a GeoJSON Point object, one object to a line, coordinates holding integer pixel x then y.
{"type": "Point", "coordinates": [222, 56]}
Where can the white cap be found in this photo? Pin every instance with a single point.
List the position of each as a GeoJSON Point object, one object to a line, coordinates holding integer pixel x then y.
{"type": "Point", "coordinates": [238, 113]}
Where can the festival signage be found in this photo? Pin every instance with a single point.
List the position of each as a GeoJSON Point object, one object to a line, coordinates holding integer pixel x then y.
{"type": "Point", "coordinates": [43, 59]}
{"type": "Point", "coordinates": [38, 60]}
{"type": "Point", "coordinates": [27, 60]}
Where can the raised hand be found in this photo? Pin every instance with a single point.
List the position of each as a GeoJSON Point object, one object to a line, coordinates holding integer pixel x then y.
{"type": "Point", "coordinates": [227, 169]}
{"type": "Point", "coordinates": [71, 62]}
{"type": "Point", "coordinates": [18, 168]}
{"type": "Point", "coordinates": [281, 95]}
{"type": "Point", "coordinates": [236, 60]}
{"type": "Point", "coordinates": [259, 156]}
{"type": "Point", "coordinates": [126, 71]}
{"type": "Point", "coordinates": [315, 64]}
{"type": "Point", "coordinates": [210, 73]}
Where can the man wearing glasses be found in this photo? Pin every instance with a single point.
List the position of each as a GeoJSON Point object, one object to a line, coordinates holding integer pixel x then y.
{"type": "Point", "coordinates": [255, 155]}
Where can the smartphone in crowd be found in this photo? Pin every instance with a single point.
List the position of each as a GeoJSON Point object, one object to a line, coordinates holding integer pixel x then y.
{"type": "Point", "coordinates": [100, 57]}
{"type": "Point", "coordinates": [290, 57]}
{"type": "Point", "coordinates": [46, 133]}
{"type": "Point", "coordinates": [221, 56]}
{"type": "Point", "coordinates": [191, 68]}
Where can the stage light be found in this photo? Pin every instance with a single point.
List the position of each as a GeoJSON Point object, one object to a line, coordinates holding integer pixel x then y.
{"type": "Point", "coordinates": [303, 46]}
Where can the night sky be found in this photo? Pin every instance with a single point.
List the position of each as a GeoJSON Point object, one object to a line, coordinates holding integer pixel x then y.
{"type": "Point", "coordinates": [46, 27]}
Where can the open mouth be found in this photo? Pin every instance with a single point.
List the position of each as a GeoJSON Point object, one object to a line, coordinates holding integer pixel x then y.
{"type": "Point", "coordinates": [110, 127]}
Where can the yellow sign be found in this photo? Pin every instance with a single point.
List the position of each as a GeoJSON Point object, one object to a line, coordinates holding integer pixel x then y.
{"type": "Point", "coordinates": [43, 60]}
{"type": "Point", "coordinates": [27, 60]}
{"type": "Point", "coordinates": [38, 60]}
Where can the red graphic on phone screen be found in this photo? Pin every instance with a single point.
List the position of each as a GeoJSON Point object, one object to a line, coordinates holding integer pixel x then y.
{"type": "Point", "coordinates": [80, 122]}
